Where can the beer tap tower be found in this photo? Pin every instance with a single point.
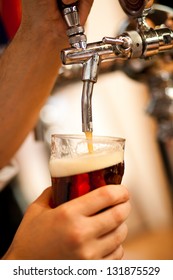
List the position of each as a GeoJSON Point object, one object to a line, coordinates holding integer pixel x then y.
{"type": "Point", "coordinates": [143, 43]}
{"type": "Point", "coordinates": [157, 74]}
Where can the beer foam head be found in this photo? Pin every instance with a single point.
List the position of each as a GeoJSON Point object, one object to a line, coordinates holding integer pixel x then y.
{"type": "Point", "coordinates": [60, 167]}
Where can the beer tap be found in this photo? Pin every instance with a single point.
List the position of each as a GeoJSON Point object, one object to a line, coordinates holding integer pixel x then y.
{"type": "Point", "coordinates": [143, 42]}
{"type": "Point", "coordinates": [157, 74]}
{"type": "Point", "coordinates": [78, 42]}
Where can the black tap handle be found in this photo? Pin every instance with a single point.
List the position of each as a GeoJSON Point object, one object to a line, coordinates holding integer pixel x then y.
{"type": "Point", "coordinates": [62, 6]}
{"type": "Point", "coordinates": [136, 8]}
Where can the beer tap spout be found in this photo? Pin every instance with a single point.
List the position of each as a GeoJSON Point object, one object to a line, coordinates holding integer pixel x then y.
{"type": "Point", "coordinates": [89, 77]}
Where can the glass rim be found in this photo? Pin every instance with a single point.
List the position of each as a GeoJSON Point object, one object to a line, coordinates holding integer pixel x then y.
{"type": "Point", "coordinates": [83, 137]}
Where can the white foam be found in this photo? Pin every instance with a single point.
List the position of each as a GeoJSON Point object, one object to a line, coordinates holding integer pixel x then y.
{"type": "Point", "coordinates": [94, 161]}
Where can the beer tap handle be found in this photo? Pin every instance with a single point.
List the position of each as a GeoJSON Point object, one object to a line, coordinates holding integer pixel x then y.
{"type": "Point", "coordinates": [75, 31]}
{"type": "Point", "coordinates": [62, 6]}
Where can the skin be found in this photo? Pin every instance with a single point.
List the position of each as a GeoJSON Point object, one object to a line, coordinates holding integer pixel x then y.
{"type": "Point", "coordinates": [28, 70]}
{"type": "Point", "coordinates": [78, 229]}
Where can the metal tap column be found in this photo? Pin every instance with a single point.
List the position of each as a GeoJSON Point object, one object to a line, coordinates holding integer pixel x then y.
{"type": "Point", "coordinates": [89, 77]}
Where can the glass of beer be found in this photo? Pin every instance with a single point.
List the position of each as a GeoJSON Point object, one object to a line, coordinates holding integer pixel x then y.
{"type": "Point", "coordinates": [79, 164]}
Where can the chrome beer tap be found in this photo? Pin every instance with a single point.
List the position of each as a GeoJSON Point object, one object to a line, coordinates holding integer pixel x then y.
{"type": "Point", "coordinates": [143, 42]}
{"type": "Point", "coordinates": [78, 42]}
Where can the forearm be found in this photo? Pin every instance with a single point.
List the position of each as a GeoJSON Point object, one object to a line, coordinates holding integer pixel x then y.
{"type": "Point", "coordinates": [28, 70]}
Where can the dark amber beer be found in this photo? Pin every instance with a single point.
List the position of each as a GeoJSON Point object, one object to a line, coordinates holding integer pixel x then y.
{"type": "Point", "coordinates": [75, 171]}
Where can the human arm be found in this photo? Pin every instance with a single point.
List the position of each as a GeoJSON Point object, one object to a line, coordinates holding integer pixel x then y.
{"type": "Point", "coordinates": [89, 227]}
{"type": "Point", "coordinates": [28, 69]}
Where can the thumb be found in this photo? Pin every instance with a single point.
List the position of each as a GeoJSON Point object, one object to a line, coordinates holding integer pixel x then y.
{"type": "Point", "coordinates": [44, 199]}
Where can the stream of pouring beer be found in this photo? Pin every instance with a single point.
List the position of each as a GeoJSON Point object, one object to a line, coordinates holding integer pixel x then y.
{"type": "Point", "coordinates": [89, 136]}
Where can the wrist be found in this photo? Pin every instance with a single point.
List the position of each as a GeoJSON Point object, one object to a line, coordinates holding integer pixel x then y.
{"type": "Point", "coordinates": [49, 32]}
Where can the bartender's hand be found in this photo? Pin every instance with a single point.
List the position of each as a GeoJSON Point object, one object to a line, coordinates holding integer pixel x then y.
{"type": "Point", "coordinates": [89, 227]}
{"type": "Point", "coordinates": [47, 16]}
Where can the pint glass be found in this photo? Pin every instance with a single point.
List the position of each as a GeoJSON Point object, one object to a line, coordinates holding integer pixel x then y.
{"type": "Point", "coordinates": [76, 170]}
